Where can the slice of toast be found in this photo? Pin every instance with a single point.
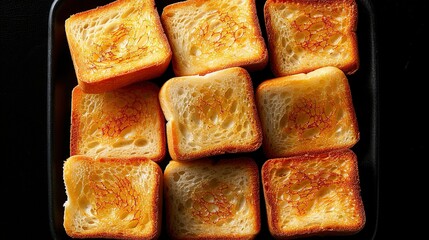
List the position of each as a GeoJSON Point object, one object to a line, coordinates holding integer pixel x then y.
{"type": "Point", "coordinates": [209, 35]}
{"type": "Point", "coordinates": [307, 113]}
{"type": "Point", "coordinates": [310, 34]}
{"type": "Point", "coordinates": [112, 198]}
{"type": "Point", "coordinates": [313, 195]}
{"type": "Point", "coordinates": [211, 114]}
{"type": "Point", "coordinates": [126, 122]}
{"type": "Point", "coordinates": [212, 199]}
{"type": "Point", "coordinates": [117, 44]}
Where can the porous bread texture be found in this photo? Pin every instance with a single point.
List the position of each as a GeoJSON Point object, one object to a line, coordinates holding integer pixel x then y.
{"type": "Point", "coordinates": [126, 122]}
{"type": "Point", "coordinates": [307, 113]}
{"type": "Point", "coordinates": [315, 194]}
{"type": "Point", "coordinates": [306, 35]}
{"type": "Point", "coordinates": [211, 114]}
{"type": "Point", "coordinates": [112, 198]}
{"type": "Point", "coordinates": [117, 44]}
{"type": "Point", "coordinates": [212, 199]}
{"type": "Point", "coordinates": [206, 36]}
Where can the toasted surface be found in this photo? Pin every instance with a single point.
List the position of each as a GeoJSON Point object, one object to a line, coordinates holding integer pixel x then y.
{"type": "Point", "coordinates": [208, 199]}
{"type": "Point", "coordinates": [307, 113]}
{"type": "Point", "coordinates": [206, 36]}
{"type": "Point", "coordinates": [126, 122]}
{"type": "Point", "coordinates": [313, 195]}
{"type": "Point", "coordinates": [306, 35]}
{"type": "Point", "coordinates": [211, 114]}
{"type": "Point", "coordinates": [117, 44]}
{"type": "Point", "coordinates": [112, 198]}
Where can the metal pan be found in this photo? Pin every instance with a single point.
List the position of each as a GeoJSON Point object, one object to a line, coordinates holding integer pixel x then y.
{"type": "Point", "coordinates": [61, 80]}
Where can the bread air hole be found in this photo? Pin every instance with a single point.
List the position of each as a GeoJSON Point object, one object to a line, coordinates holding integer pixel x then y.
{"type": "Point", "coordinates": [176, 177]}
{"type": "Point", "coordinates": [282, 172]}
{"type": "Point", "coordinates": [240, 203]}
{"type": "Point", "coordinates": [228, 122]}
{"type": "Point", "coordinates": [335, 39]}
{"type": "Point", "coordinates": [133, 223]}
{"type": "Point", "coordinates": [184, 130]}
{"type": "Point", "coordinates": [301, 186]}
{"type": "Point", "coordinates": [101, 149]}
{"type": "Point", "coordinates": [128, 12]}
{"type": "Point", "coordinates": [233, 107]}
{"type": "Point", "coordinates": [93, 144]}
{"type": "Point", "coordinates": [195, 51]}
{"type": "Point", "coordinates": [140, 142]}
{"type": "Point", "coordinates": [340, 114]}
{"type": "Point", "coordinates": [310, 133]}
{"type": "Point", "coordinates": [127, 133]}
{"type": "Point", "coordinates": [323, 192]}
{"type": "Point", "coordinates": [228, 93]}
{"type": "Point", "coordinates": [283, 121]}
{"type": "Point", "coordinates": [122, 143]}
{"type": "Point", "coordinates": [113, 27]}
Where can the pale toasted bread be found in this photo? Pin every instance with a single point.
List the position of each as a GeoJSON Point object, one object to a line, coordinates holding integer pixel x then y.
{"type": "Point", "coordinates": [307, 113]}
{"type": "Point", "coordinates": [112, 198]}
{"type": "Point", "coordinates": [212, 199]}
{"type": "Point", "coordinates": [206, 36]}
{"type": "Point", "coordinates": [306, 35]}
{"type": "Point", "coordinates": [313, 195]}
{"type": "Point", "coordinates": [211, 114]}
{"type": "Point", "coordinates": [117, 44]}
{"type": "Point", "coordinates": [126, 122]}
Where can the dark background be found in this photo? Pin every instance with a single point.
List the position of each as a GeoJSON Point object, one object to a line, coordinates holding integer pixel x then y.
{"type": "Point", "coordinates": [401, 27]}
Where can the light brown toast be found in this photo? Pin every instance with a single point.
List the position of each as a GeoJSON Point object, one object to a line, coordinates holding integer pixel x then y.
{"type": "Point", "coordinates": [117, 44]}
{"type": "Point", "coordinates": [126, 122]}
{"type": "Point", "coordinates": [306, 35]}
{"type": "Point", "coordinates": [212, 199]}
{"type": "Point", "coordinates": [211, 114]}
{"type": "Point", "coordinates": [207, 36]}
{"type": "Point", "coordinates": [307, 113]}
{"type": "Point", "coordinates": [315, 194]}
{"type": "Point", "coordinates": [112, 198]}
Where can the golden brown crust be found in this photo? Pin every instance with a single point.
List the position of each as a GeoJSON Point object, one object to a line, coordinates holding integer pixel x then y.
{"type": "Point", "coordinates": [92, 185]}
{"type": "Point", "coordinates": [235, 40]}
{"type": "Point", "coordinates": [240, 167]}
{"type": "Point", "coordinates": [126, 122]}
{"type": "Point", "coordinates": [336, 173]}
{"type": "Point", "coordinates": [308, 45]}
{"type": "Point", "coordinates": [120, 51]}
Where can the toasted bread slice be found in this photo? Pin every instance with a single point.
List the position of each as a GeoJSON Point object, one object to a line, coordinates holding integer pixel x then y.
{"type": "Point", "coordinates": [211, 114]}
{"type": "Point", "coordinates": [313, 195]}
{"type": "Point", "coordinates": [310, 34]}
{"type": "Point", "coordinates": [112, 198]}
{"type": "Point", "coordinates": [209, 35]}
{"type": "Point", "coordinates": [307, 113]}
{"type": "Point", "coordinates": [212, 199]}
{"type": "Point", "coordinates": [117, 44]}
{"type": "Point", "coordinates": [126, 122]}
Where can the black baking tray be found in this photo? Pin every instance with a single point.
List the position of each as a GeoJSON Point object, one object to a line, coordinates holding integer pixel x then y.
{"type": "Point", "coordinates": [61, 79]}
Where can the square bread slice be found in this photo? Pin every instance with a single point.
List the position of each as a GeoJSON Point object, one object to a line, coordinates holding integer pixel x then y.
{"type": "Point", "coordinates": [117, 44]}
{"type": "Point", "coordinates": [306, 35]}
{"type": "Point", "coordinates": [112, 198]}
{"type": "Point", "coordinates": [315, 194]}
{"type": "Point", "coordinates": [211, 114]}
{"type": "Point", "coordinates": [209, 35]}
{"type": "Point", "coordinates": [307, 113]}
{"type": "Point", "coordinates": [126, 122]}
{"type": "Point", "coordinates": [212, 199]}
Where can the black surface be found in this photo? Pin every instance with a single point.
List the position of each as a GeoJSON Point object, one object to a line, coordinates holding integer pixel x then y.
{"type": "Point", "coordinates": [61, 80]}
{"type": "Point", "coordinates": [402, 50]}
